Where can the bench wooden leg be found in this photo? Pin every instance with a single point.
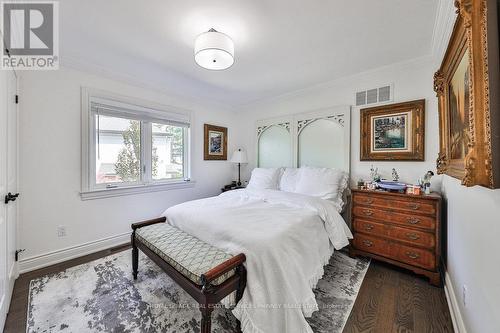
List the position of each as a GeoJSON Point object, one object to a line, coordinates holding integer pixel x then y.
{"type": "Point", "coordinates": [135, 257]}
{"type": "Point", "coordinates": [206, 318]}
{"type": "Point", "coordinates": [238, 326]}
{"type": "Point", "coordinates": [242, 272]}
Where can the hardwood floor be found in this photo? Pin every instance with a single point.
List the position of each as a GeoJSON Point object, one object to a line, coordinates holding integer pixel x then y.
{"type": "Point", "coordinates": [16, 318]}
{"type": "Point", "coordinates": [390, 300]}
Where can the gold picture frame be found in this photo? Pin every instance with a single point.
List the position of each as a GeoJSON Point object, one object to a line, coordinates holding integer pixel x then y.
{"type": "Point", "coordinates": [468, 107]}
{"type": "Point", "coordinates": [393, 132]}
{"type": "Point", "coordinates": [215, 143]}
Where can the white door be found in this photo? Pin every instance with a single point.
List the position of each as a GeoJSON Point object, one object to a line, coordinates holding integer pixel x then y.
{"type": "Point", "coordinates": [12, 177]}
{"type": "Point", "coordinates": [8, 184]}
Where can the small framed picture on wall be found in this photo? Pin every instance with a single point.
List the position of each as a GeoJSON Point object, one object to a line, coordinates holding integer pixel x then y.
{"type": "Point", "coordinates": [215, 146]}
{"type": "Point", "coordinates": [393, 132]}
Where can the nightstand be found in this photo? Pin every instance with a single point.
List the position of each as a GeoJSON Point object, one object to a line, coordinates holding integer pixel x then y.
{"type": "Point", "coordinates": [231, 188]}
{"type": "Point", "coordinates": [401, 229]}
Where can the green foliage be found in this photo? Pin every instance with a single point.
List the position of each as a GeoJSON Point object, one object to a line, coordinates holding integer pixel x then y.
{"type": "Point", "coordinates": [177, 146]}
{"type": "Point", "coordinates": [176, 135]}
{"type": "Point", "coordinates": [128, 164]}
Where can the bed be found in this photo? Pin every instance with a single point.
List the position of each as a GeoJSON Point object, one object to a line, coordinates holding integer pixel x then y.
{"type": "Point", "coordinates": [286, 223]}
{"type": "Point", "coordinates": [286, 228]}
{"type": "Point", "coordinates": [287, 238]}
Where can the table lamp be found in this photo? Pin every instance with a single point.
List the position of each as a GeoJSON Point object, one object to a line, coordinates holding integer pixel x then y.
{"type": "Point", "coordinates": [239, 156]}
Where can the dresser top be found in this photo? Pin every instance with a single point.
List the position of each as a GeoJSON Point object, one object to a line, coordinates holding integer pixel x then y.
{"type": "Point", "coordinates": [432, 196]}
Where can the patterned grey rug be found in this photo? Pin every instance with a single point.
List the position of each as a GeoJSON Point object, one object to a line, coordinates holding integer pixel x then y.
{"type": "Point", "coordinates": [101, 296]}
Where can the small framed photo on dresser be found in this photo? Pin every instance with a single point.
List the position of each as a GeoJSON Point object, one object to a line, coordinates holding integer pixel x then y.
{"type": "Point", "coordinates": [393, 132]}
{"type": "Point", "coordinates": [215, 145]}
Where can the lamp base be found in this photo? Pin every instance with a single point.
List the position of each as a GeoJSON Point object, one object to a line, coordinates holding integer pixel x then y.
{"type": "Point", "coordinates": [239, 174]}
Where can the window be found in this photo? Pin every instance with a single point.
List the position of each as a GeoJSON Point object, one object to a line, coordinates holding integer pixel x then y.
{"type": "Point", "coordinates": [129, 145]}
{"type": "Point", "coordinates": [168, 151]}
{"type": "Point", "coordinates": [118, 150]}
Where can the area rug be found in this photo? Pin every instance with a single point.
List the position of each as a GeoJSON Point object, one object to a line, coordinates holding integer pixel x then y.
{"type": "Point", "coordinates": [101, 296]}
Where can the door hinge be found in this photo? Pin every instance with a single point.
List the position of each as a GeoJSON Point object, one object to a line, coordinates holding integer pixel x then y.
{"type": "Point", "coordinates": [17, 99]}
{"type": "Point", "coordinates": [19, 252]}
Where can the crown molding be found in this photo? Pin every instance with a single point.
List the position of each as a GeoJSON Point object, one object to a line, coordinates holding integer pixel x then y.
{"type": "Point", "coordinates": [443, 27]}
{"type": "Point", "coordinates": [402, 65]}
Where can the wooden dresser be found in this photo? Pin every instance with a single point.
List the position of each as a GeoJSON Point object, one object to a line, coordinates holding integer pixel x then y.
{"type": "Point", "coordinates": [401, 229]}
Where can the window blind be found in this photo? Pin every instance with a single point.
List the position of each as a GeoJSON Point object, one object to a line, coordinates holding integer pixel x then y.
{"type": "Point", "coordinates": [119, 109]}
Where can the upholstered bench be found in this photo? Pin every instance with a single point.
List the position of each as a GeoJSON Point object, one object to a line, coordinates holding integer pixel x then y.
{"type": "Point", "coordinates": [205, 272]}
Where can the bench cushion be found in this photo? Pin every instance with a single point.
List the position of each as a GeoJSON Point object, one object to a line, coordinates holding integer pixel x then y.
{"type": "Point", "coordinates": [187, 254]}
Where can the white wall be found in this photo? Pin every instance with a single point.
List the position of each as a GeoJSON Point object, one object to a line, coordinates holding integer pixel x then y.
{"type": "Point", "coordinates": [412, 80]}
{"type": "Point", "coordinates": [49, 153]}
{"type": "Point", "coordinates": [473, 248]}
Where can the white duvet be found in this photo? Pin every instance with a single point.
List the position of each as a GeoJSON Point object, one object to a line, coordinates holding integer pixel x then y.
{"type": "Point", "coordinates": [287, 239]}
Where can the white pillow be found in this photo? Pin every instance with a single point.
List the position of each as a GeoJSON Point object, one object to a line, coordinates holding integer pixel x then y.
{"type": "Point", "coordinates": [324, 183]}
{"type": "Point", "coordinates": [289, 179]}
{"type": "Point", "coordinates": [265, 178]}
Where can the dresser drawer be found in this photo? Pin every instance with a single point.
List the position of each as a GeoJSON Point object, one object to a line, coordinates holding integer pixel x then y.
{"type": "Point", "coordinates": [371, 200]}
{"type": "Point", "coordinates": [371, 244]}
{"type": "Point", "coordinates": [421, 207]}
{"type": "Point", "coordinates": [395, 251]}
{"type": "Point", "coordinates": [412, 204]}
{"type": "Point", "coordinates": [369, 227]}
{"type": "Point", "coordinates": [414, 256]}
{"type": "Point", "coordinates": [416, 237]}
{"type": "Point", "coordinates": [406, 235]}
{"type": "Point", "coordinates": [388, 215]}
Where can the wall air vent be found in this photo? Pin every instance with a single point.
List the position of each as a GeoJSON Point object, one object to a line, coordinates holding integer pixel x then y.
{"type": "Point", "coordinates": [374, 96]}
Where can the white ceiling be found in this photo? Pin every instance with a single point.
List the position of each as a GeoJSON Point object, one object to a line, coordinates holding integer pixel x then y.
{"type": "Point", "coordinates": [280, 45]}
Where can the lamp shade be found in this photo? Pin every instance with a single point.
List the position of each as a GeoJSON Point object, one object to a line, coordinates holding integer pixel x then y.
{"type": "Point", "coordinates": [214, 50]}
{"type": "Point", "coordinates": [239, 156]}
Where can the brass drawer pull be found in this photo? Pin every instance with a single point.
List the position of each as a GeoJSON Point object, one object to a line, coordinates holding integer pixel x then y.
{"type": "Point", "coordinates": [412, 255]}
{"type": "Point", "coordinates": [368, 212]}
{"type": "Point", "coordinates": [368, 201]}
{"type": "Point", "coordinates": [412, 236]}
{"type": "Point", "coordinates": [414, 206]}
{"type": "Point", "coordinates": [413, 220]}
{"type": "Point", "coordinates": [368, 243]}
{"type": "Point", "coordinates": [368, 227]}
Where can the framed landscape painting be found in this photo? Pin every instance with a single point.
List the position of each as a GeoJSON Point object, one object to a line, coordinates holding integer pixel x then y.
{"type": "Point", "coordinates": [467, 85]}
{"type": "Point", "coordinates": [393, 132]}
{"type": "Point", "coordinates": [215, 145]}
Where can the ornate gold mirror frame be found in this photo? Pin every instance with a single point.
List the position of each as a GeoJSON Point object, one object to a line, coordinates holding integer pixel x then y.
{"type": "Point", "coordinates": [476, 161]}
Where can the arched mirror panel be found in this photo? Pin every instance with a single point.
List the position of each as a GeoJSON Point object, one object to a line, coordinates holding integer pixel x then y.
{"type": "Point", "coordinates": [321, 143]}
{"type": "Point", "coordinates": [274, 147]}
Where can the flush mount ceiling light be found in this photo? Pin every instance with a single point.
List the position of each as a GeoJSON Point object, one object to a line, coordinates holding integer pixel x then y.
{"type": "Point", "coordinates": [214, 50]}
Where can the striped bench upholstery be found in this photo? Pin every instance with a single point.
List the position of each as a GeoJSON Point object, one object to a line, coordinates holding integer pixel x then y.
{"type": "Point", "coordinates": [187, 254]}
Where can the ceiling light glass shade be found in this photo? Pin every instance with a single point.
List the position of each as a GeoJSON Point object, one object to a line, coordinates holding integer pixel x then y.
{"type": "Point", "coordinates": [214, 50]}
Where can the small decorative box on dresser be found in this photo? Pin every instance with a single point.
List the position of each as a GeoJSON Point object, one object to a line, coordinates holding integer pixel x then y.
{"type": "Point", "coordinates": [401, 229]}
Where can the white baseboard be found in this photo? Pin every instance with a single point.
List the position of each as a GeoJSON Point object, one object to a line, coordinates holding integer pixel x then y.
{"type": "Point", "coordinates": [54, 257]}
{"type": "Point", "coordinates": [456, 316]}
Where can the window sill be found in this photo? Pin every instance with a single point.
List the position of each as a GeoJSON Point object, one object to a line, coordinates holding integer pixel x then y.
{"type": "Point", "coordinates": [120, 191]}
